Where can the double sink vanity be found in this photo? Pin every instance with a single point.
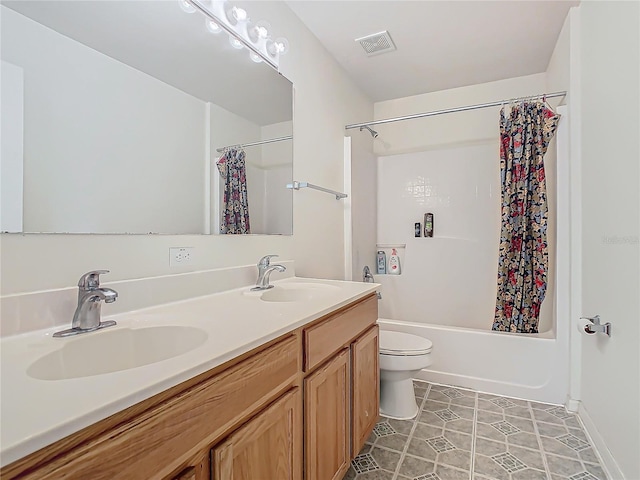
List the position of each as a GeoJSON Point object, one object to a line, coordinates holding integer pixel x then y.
{"type": "Point", "coordinates": [274, 384]}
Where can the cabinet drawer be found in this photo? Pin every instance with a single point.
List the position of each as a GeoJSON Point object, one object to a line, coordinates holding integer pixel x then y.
{"type": "Point", "coordinates": [155, 443]}
{"type": "Point", "coordinates": [337, 331]}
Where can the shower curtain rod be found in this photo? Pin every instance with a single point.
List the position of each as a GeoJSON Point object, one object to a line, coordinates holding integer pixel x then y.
{"type": "Point", "coordinates": [261, 142]}
{"type": "Point", "coordinates": [451, 110]}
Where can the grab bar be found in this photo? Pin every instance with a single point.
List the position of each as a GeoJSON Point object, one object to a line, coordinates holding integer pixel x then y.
{"type": "Point", "coordinates": [299, 185]}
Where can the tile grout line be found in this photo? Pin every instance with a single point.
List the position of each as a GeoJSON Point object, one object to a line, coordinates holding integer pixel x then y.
{"type": "Point", "coordinates": [537, 432]}
{"type": "Point", "coordinates": [410, 436]}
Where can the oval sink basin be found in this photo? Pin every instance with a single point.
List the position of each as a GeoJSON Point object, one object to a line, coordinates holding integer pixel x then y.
{"type": "Point", "coordinates": [107, 351]}
{"type": "Point", "coordinates": [297, 292]}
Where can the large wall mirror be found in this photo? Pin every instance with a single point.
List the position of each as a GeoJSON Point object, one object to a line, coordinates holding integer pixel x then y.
{"type": "Point", "coordinates": [115, 115]}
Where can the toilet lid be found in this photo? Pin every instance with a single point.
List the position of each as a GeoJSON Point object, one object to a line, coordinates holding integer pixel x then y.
{"type": "Point", "coordinates": [398, 343]}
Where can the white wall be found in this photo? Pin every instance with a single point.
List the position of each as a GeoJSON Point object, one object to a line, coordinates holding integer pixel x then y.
{"type": "Point", "coordinates": [137, 129]}
{"type": "Point", "coordinates": [11, 140]}
{"type": "Point", "coordinates": [325, 101]}
{"type": "Point", "coordinates": [363, 203]}
{"type": "Point", "coordinates": [278, 170]}
{"type": "Point", "coordinates": [609, 46]}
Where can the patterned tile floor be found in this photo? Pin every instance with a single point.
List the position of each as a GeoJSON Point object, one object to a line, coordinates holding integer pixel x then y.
{"type": "Point", "coordinates": [461, 434]}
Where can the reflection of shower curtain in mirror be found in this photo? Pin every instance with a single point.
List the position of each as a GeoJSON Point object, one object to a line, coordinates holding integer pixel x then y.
{"type": "Point", "coordinates": [235, 206]}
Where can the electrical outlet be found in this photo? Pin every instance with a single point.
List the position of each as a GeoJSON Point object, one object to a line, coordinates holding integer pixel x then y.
{"type": "Point", "coordinates": [179, 256]}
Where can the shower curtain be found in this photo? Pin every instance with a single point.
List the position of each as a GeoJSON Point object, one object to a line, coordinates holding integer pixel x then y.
{"type": "Point", "coordinates": [235, 205]}
{"type": "Point", "coordinates": [525, 134]}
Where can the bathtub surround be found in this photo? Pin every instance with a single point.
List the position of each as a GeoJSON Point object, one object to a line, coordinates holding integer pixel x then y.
{"type": "Point", "coordinates": [462, 435]}
{"type": "Point", "coordinates": [525, 133]}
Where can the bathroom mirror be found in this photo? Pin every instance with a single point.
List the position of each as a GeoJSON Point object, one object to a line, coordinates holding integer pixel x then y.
{"type": "Point", "coordinates": [112, 114]}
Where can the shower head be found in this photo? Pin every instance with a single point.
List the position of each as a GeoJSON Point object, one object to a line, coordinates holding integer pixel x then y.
{"type": "Point", "coordinates": [373, 133]}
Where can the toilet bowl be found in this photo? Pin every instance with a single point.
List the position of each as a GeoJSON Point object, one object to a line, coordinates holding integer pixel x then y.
{"type": "Point", "coordinates": [402, 356]}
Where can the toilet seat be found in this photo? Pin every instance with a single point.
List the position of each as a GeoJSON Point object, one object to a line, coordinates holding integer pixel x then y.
{"type": "Point", "coordinates": [403, 344]}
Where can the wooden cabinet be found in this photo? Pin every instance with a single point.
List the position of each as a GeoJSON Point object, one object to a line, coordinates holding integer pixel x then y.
{"type": "Point", "coordinates": [326, 404]}
{"type": "Point", "coordinates": [198, 470]}
{"type": "Point", "coordinates": [245, 419]}
{"type": "Point", "coordinates": [366, 387]}
{"type": "Point", "coordinates": [267, 447]}
{"type": "Point", "coordinates": [341, 388]}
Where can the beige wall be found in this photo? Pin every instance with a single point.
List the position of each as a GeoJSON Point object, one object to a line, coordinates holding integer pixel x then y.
{"type": "Point", "coordinates": [610, 103]}
{"type": "Point", "coordinates": [325, 101]}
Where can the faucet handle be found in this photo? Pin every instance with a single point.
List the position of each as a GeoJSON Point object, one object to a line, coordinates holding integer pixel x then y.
{"type": "Point", "coordinates": [91, 280]}
{"type": "Point", "coordinates": [266, 260]}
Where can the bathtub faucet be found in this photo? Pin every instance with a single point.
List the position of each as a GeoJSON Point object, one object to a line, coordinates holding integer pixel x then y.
{"type": "Point", "coordinates": [367, 277]}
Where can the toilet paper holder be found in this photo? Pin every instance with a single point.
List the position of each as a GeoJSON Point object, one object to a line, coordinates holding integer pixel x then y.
{"type": "Point", "coordinates": [596, 326]}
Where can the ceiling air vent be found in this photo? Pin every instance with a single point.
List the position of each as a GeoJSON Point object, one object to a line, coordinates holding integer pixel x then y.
{"type": "Point", "coordinates": [377, 43]}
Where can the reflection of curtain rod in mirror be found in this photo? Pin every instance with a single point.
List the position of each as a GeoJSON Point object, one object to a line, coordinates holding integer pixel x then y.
{"type": "Point", "coordinates": [261, 142]}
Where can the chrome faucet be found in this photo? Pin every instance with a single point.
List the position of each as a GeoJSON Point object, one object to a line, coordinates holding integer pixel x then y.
{"type": "Point", "coordinates": [264, 272]}
{"type": "Point", "coordinates": [367, 276]}
{"type": "Point", "coordinates": [90, 295]}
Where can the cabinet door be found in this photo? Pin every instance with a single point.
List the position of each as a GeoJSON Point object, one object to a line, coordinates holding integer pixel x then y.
{"type": "Point", "coordinates": [327, 420]}
{"type": "Point", "coordinates": [267, 447]}
{"type": "Point", "coordinates": [366, 388]}
{"type": "Point", "coordinates": [199, 470]}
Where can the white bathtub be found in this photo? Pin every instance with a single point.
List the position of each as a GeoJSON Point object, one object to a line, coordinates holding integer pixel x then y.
{"type": "Point", "coordinates": [528, 366]}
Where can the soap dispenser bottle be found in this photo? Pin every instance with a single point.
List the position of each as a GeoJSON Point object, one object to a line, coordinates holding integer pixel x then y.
{"type": "Point", "coordinates": [394, 263]}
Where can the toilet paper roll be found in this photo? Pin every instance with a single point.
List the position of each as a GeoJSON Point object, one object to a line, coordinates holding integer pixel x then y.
{"type": "Point", "coordinates": [581, 324]}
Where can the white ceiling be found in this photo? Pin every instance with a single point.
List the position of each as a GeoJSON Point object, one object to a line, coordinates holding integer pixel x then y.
{"type": "Point", "coordinates": [159, 39]}
{"type": "Point", "coordinates": [440, 44]}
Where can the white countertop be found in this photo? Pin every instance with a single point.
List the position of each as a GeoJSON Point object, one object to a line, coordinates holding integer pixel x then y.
{"type": "Point", "coordinates": [36, 413]}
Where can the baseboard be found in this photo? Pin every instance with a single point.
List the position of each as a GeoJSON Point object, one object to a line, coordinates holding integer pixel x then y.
{"type": "Point", "coordinates": [572, 405]}
{"type": "Point", "coordinates": [606, 458]}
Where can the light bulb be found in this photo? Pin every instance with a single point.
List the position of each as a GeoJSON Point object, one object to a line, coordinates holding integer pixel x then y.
{"type": "Point", "coordinates": [235, 43]}
{"type": "Point", "coordinates": [186, 6]}
{"type": "Point", "coordinates": [213, 27]}
{"type": "Point", "coordinates": [255, 57]}
{"type": "Point", "coordinates": [279, 46]}
{"type": "Point", "coordinates": [259, 31]}
{"type": "Point", "coordinates": [236, 14]}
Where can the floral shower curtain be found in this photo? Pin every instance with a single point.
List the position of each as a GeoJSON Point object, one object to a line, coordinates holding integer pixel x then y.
{"type": "Point", "coordinates": [235, 205]}
{"type": "Point", "coordinates": [525, 134]}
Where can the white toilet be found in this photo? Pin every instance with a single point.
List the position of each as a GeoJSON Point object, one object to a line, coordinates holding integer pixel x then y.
{"type": "Point", "coordinates": [402, 356]}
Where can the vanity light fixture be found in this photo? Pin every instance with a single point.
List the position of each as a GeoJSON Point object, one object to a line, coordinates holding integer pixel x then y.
{"type": "Point", "coordinates": [279, 46]}
{"type": "Point", "coordinates": [259, 31]}
{"type": "Point", "coordinates": [256, 36]}
{"type": "Point", "coordinates": [255, 57]}
{"type": "Point", "coordinates": [236, 15]}
{"type": "Point", "coordinates": [235, 43]}
{"type": "Point", "coordinates": [212, 26]}
{"type": "Point", "coordinates": [186, 6]}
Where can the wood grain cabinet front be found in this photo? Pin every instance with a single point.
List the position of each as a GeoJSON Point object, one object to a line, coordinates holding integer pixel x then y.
{"type": "Point", "coordinates": [267, 447]}
{"type": "Point", "coordinates": [365, 375]}
{"type": "Point", "coordinates": [341, 388]}
{"type": "Point", "coordinates": [326, 403]}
